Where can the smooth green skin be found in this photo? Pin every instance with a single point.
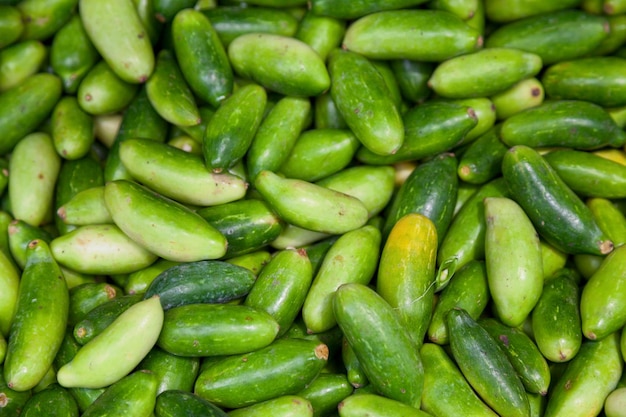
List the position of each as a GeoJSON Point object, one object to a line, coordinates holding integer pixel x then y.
{"type": "Point", "coordinates": [615, 403]}
{"type": "Point", "coordinates": [282, 286]}
{"type": "Point", "coordinates": [103, 92]}
{"type": "Point", "coordinates": [556, 322]}
{"type": "Point", "coordinates": [176, 402]}
{"type": "Point", "coordinates": [563, 123]}
{"type": "Point", "coordinates": [599, 80]}
{"type": "Point", "coordinates": [406, 272]}
{"type": "Point", "coordinates": [556, 211]}
{"type": "Point", "coordinates": [326, 114]}
{"type": "Point", "coordinates": [201, 56]}
{"type": "Point", "coordinates": [162, 226]}
{"type": "Point", "coordinates": [277, 135]}
{"type": "Point", "coordinates": [20, 61]}
{"type": "Point", "coordinates": [518, 9]}
{"type": "Point", "coordinates": [284, 367]}
{"type": "Point", "coordinates": [347, 9]}
{"type": "Point", "coordinates": [231, 22]}
{"type": "Point", "coordinates": [138, 282]}
{"type": "Point", "coordinates": [513, 260]}
{"type": "Point", "coordinates": [248, 225]}
{"type": "Point", "coordinates": [20, 234]}
{"type": "Point", "coordinates": [11, 25]}
{"type": "Point", "coordinates": [100, 317]}
{"type": "Point", "coordinates": [100, 250]}
{"type": "Point", "coordinates": [187, 144]}
{"type": "Point", "coordinates": [384, 68]}
{"type": "Point", "coordinates": [555, 37]}
{"type": "Point", "coordinates": [53, 401]}
{"type": "Point", "coordinates": [326, 392]}
{"type": "Point", "coordinates": [117, 33]}
{"type": "Point", "coordinates": [87, 296]}
{"type": "Point", "coordinates": [362, 97]}
{"type": "Point", "coordinates": [230, 131]}
{"type": "Point", "coordinates": [429, 190]}
{"type": "Point", "coordinates": [523, 95]}
{"type": "Point", "coordinates": [589, 175]}
{"type": "Point", "coordinates": [373, 185]}
{"type": "Point", "coordinates": [216, 329]}
{"type": "Point", "coordinates": [213, 282]}
{"type": "Point", "coordinates": [446, 391]}
{"type": "Point", "coordinates": [483, 73]}
{"type": "Point", "coordinates": [380, 342]}
{"type": "Point", "coordinates": [587, 265]}
{"type": "Point", "coordinates": [482, 160]}
{"type": "Point", "coordinates": [253, 262]}
{"type": "Point", "coordinates": [430, 129]}
{"type": "Point", "coordinates": [412, 77]}
{"type": "Point", "coordinates": [48, 379]}
{"type": "Point", "coordinates": [124, 342]}
{"type": "Point", "coordinates": [34, 168]}
{"type": "Point", "coordinates": [465, 9]}
{"type": "Point", "coordinates": [311, 206]}
{"type": "Point", "coordinates": [132, 395]}
{"type": "Point", "coordinates": [615, 38]}
{"type": "Point", "coordinates": [72, 54]}
{"type": "Point", "coordinates": [383, 35]}
{"type": "Point", "coordinates": [277, 3]}
{"type": "Point", "coordinates": [164, 169]}
{"type": "Point", "coordinates": [40, 319]}
{"type": "Point", "coordinates": [485, 366]}
{"type": "Point", "coordinates": [295, 237]}
{"type": "Point", "coordinates": [322, 33]}
{"type": "Point", "coordinates": [532, 368]}
{"type": "Point", "coordinates": [74, 279]}
{"type": "Point", "coordinates": [537, 404]}
{"type": "Point", "coordinates": [354, 371]}
{"type": "Point", "coordinates": [75, 176]}
{"type": "Point", "coordinates": [169, 93]}
{"type": "Point", "coordinates": [352, 259]}
{"type": "Point", "coordinates": [283, 406]}
{"type": "Point", "coordinates": [485, 114]}
{"type": "Point", "coordinates": [319, 153]}
{"type": "Point", "coordinates": [464, 193]}
{"type": "Point", "coordinates": [43, 18]}
{"type": "Point", "coordinates": [173, 372]}
{"type": "Point", "coordinates": [15, 400]}
{"type": "Point", "coordinates": [588, 379]}
{"type": "Point", "coordinates": [468, 290]}
{"type": "Point", "coordinates": [37, 96]}
{"type": "Point", "coordinates": [553, 259]}
{"type": "Point", "coordinates": [282, 64]}
{"type": "Point", "coordinates": [9, 281]}
{"type": "Point", "coordinates": [72, 129]}
{"type": "Point", "coordinates": [140, 120]}
{"type": "Point", "coordinates": [609, 218]}
{"type": "Point", "coordinates": [86, 207]}
{"type": "Point", "coordinates": [373, 405]}
{"type": "Point", "coordinates": [331, 338]}
{"type": "Point", "coordinates": [602, 300]}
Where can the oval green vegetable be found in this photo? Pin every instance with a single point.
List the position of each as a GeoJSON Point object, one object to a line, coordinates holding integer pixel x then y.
{"type": "Point", "coordinates": [117, 33]}
{"type": "Point", "coordinates": [285, 65]}
{"type": "Point", "coordinates": [125, 342]}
